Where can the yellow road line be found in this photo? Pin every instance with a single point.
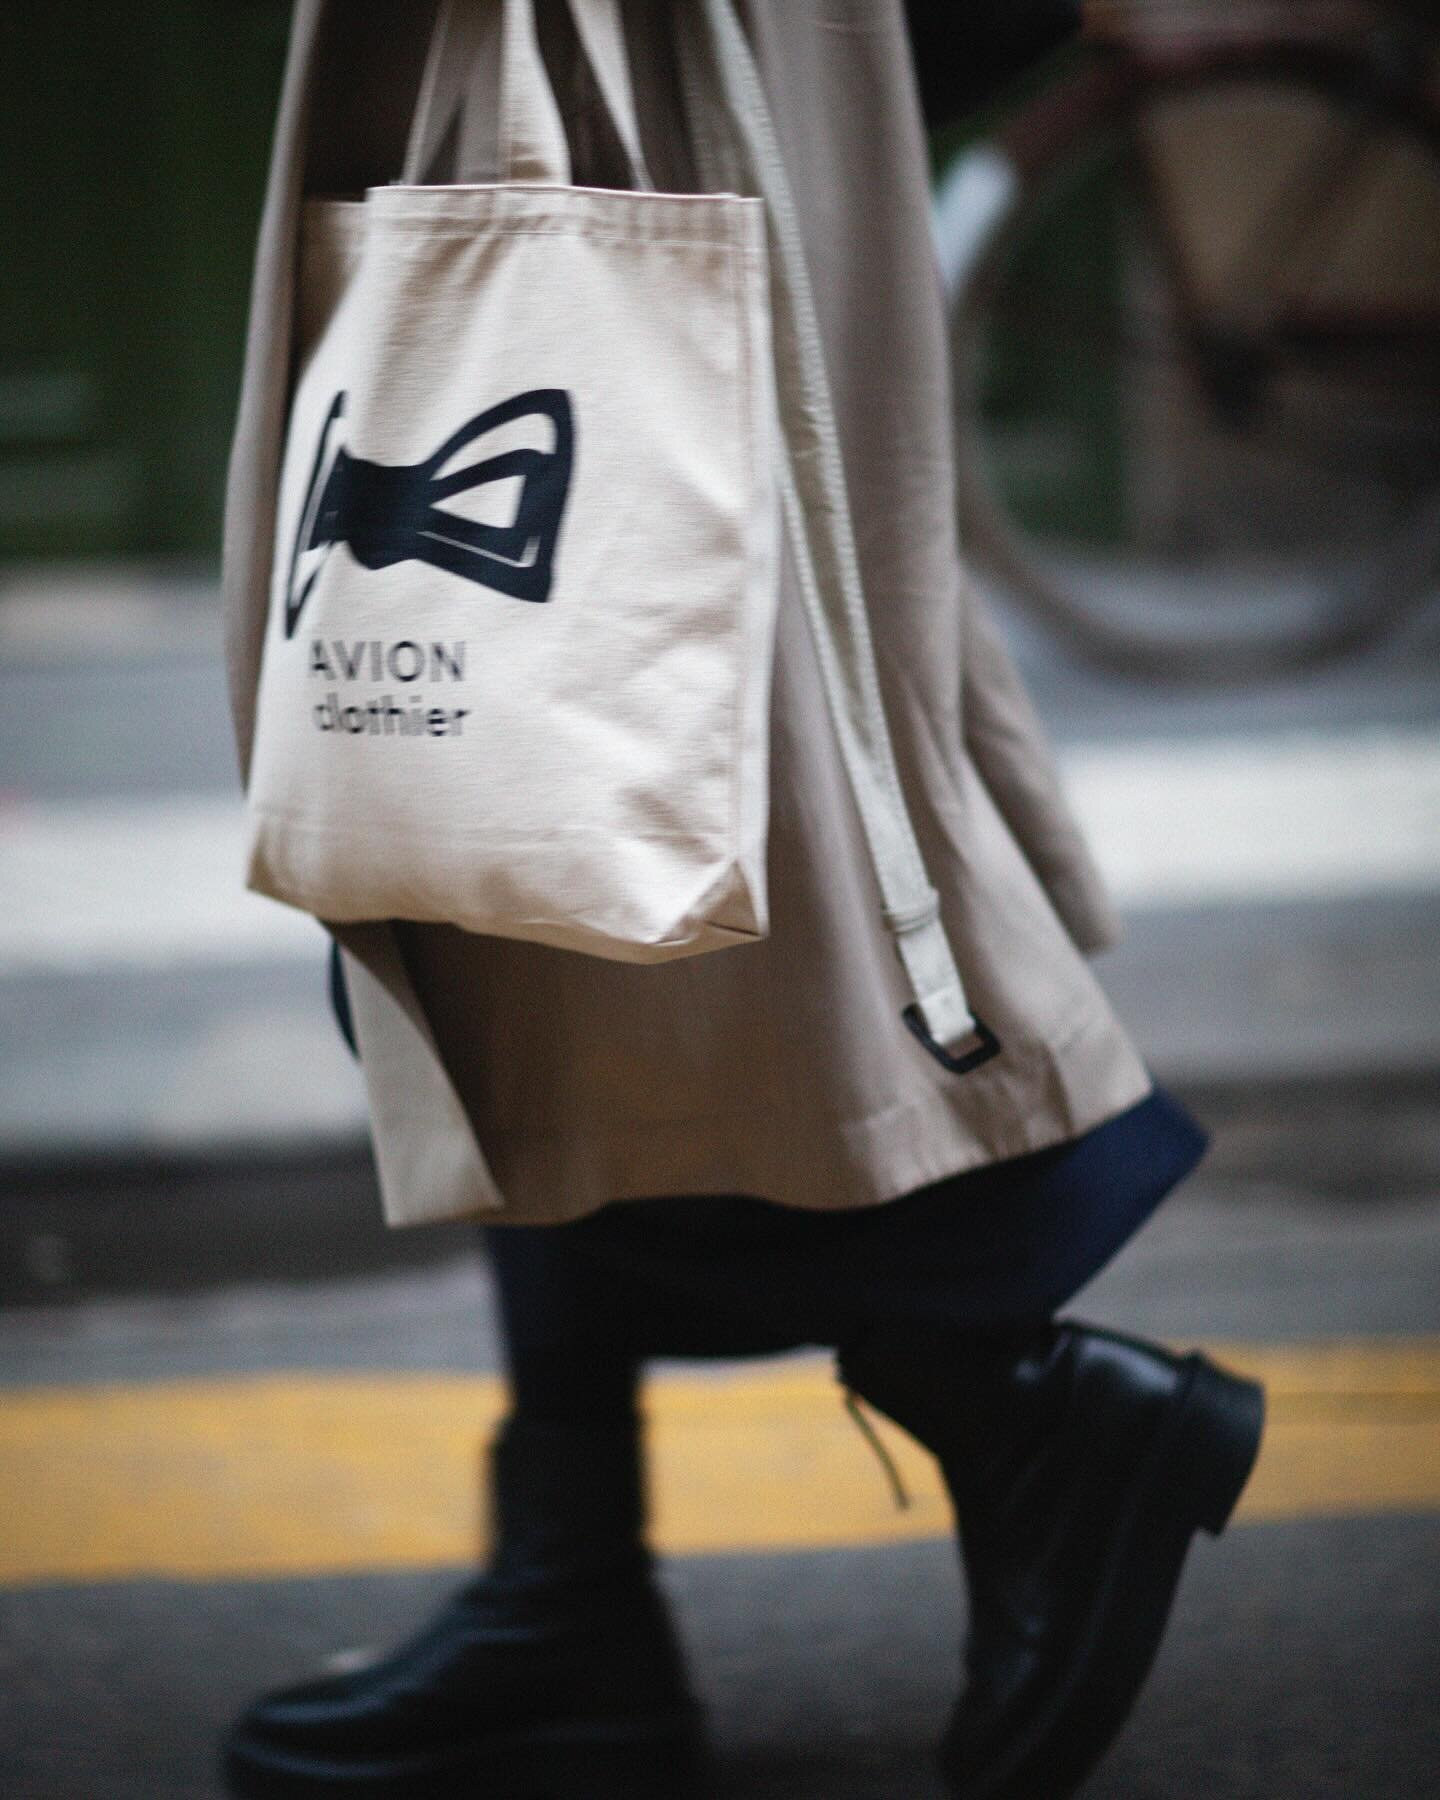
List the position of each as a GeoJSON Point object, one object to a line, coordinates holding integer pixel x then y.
{"type": "Point", "coordinates": [291, 1474]}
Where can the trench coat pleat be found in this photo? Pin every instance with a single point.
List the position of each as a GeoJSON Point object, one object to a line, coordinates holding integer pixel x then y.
{"type": "Point", "coordinates": [533, 1085]}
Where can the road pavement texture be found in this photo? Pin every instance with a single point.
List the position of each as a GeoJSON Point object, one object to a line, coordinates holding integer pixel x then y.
{"type": "Point", "coordinates": [211, 1491]}
{"type": "Point", "coordinates": [243, 1423]}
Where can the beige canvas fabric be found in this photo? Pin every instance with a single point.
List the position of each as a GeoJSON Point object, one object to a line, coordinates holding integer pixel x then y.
{"type": "Point", "coordinates": [517, 671]}
{"type": "Point", "coordinates": [531, 1084]}
{"type": "Point", "coordinates": [609, 791]}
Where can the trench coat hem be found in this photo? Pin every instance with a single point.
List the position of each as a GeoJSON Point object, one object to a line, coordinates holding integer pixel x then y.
{"type": "Point", "coordinates": [856, 1163]}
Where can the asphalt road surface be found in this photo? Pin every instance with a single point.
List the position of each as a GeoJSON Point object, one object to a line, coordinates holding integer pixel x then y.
{"type": "Point", "coordinates": [210, 1491]}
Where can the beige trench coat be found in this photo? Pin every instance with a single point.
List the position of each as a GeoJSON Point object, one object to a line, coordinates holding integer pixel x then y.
{"type": "Point", "coordinates": [533, 1085]}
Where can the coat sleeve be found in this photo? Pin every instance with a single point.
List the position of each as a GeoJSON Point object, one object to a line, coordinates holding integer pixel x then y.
{"type": "Point", "coordinates": [967, 50]}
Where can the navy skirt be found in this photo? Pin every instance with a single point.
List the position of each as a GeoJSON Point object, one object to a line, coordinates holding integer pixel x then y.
{"type": "Point", "coordinates": [730, 1276]}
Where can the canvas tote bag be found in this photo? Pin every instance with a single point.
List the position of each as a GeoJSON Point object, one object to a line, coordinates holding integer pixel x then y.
{"type": "Point", "coordinates": [516, 672]}
{"type": "Point", "coordinates": [517, 668]}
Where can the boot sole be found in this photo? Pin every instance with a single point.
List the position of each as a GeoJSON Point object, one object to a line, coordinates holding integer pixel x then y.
{"type": "Point", "coordinates": [647, 1760]}
{"type": "Point", "coordinates": [1197, 1470]}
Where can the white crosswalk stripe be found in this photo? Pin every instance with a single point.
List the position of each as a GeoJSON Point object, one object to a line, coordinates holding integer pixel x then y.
{"type": "Point", "coordinates": [1307, 817]}
{"type": "Point", "coordinates": [156, 883]}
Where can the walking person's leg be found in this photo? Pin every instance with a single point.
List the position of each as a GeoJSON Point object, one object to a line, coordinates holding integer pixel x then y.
{"type": "Point", "coordinates": [1080, 1465]}
{"type": "Point", "coordinates": [558, 1662]}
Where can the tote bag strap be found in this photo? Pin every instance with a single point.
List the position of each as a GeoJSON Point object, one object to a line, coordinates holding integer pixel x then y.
{"type": "Point", "coordinates": [532, 146]}
{"type": "Point", "coordinates": [532, 138]}
{"type": "Point", "coordinates": [817, 516]}
{"type": "Point", "coordinates": [601, 30]}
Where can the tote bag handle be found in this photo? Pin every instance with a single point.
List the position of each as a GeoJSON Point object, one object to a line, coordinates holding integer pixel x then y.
{"type": "Point", "coordinates": [531, 137]}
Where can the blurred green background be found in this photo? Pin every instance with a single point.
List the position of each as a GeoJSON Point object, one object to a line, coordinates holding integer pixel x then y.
{"type": "Point", "coordinates": [135, 139]}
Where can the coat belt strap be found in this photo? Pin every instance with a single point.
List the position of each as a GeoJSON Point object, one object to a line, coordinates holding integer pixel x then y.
{"type": "Point", "coordinates": [817, 518]}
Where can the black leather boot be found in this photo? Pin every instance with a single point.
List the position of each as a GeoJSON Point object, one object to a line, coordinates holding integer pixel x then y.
{"type": "Point", "coordinates": [1080, 1465]}
{"type": "Point", "coordinates": [555, 1676]}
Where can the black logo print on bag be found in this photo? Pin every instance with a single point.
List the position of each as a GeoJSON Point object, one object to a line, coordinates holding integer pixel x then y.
{"type": "Point", "coordinates": [388, 514]}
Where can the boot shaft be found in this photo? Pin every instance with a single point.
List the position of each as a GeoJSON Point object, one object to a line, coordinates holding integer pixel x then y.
{"type": "Point", "coordinates": [567, 1505]}
{"type": "Point", "coordinates": [970, 1398]}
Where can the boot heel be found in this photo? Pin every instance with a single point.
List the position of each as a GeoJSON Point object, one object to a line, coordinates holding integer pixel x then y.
{"type": "Point", "coordinates": [1220, 1428]}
